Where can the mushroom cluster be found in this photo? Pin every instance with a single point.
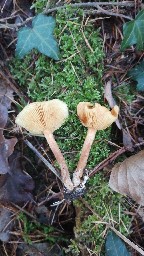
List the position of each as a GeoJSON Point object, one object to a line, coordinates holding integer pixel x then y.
{"type": "Point", "coordinates": [45, 117]}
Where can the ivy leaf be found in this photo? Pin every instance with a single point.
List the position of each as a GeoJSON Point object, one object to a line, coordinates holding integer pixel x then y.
{"type": "Point", "coordinates": [134, 32]}
{"type": "Point", "coordinates": [137, 74]}
{"type": "Point", "coordinates": [40, 37]}
{"type": "Point", "coordinates": [115, 246]}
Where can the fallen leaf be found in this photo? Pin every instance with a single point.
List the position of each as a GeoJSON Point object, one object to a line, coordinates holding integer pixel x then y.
{"type": "Point", "coordinates": [111, 101]}
{"type": "Point", "coordinates": [40, 37]}
{"type": "Point", "coordinates": [127, 140]}
{"type": "Point", "coordinates": [39, 249]}
{"type": "Point", "coordinates": [141, 213]}
{"type": "Point", "coordinates": [6, 145]}
{"type": "Point", "coordinates": [133, 32]}
{"type": "Point", "coordinates": [5, 224]}
{"type": "Point", "coordinates": [6, 94]}
{"type": "Point", "coordinates": [127, 177]}
{"type": "Point", "coordinates": [17, 185]}
{"type": "Point", "coordinates": [6, 149]}
{"type": "Point", "coordinates": [108, 94]}
{"type": "Point", "coordinates": [3, 118]}
{"type": "Point", "coordinates": [115, 246]}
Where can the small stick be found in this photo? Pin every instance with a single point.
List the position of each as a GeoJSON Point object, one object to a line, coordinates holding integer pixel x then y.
{"type": "Point", "coordinates": [109, 159]}
{"type": "Point", "coordinates": [51, 168]}
{"type": "Point", "coordinates": [88, 5]}
{"type": "Point", "coordinates": [93, 5]}
{"type": "Point", "coordinates": [112, 157]}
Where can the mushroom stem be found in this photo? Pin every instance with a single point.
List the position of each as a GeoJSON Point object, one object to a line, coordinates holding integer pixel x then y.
{"type": "Point", "coordinates": [84, 156]}
{"type": "Point", "coordinates": [60, 159]}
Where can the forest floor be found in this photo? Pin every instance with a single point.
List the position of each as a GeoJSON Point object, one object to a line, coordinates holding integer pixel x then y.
{"type": "Point", "coordinates": [36, 216]}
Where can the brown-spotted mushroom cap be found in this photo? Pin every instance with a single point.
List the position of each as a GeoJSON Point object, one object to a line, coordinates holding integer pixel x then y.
{"type": "Point", "coordinates": [96, 116]}
{"type": "Point", "coordinates": [39, 116]}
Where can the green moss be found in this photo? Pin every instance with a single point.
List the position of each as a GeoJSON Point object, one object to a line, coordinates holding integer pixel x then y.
{"type": "Point", "coordinates": [76, 77]}
{"type": "Point", "coordinates": [30, 228]}
{"type": "Point", "coordinates": [106, 206]}
{"type": "Point", "coordinates": [39, 5]}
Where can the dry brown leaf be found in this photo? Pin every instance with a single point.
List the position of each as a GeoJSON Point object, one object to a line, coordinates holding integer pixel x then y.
{"type": "Point", "coordinates": [5, 224]}
{"type": "Point", "coordinates": [127, 177]}
{"type": "Point", "coordinates": [6, 93]}
{"type": "Point", "coordinates": [108, 94]}
{"type": "Point", "coordinates": [127, 140]}
{"type": "Point", "coordinates": [6, 145]}
{"type": "Point", "coordinates": [39, 249]}
{"type": "Point", "coordinates": [141, 213]}
{"type": "Point", "coordinates": [111, 101]}
{"type": "Point", "coordinates": [17, 185]}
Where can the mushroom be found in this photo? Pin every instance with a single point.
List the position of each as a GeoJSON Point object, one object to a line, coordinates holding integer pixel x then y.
{"type": "Point", "coordinates": [44, 118]}
{"type": "Point", "coordinates": [94, 117]}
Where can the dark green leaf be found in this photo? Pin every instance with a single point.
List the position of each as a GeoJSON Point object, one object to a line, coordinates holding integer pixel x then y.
{"type": "Point", "coordinates": [115, 246]}
{"type": "Point", "coordinates": [134, 32]}
{"type": "Point", "coordinates": [40, 37]}
{"type": "Point", "coordinates": [137, 74]}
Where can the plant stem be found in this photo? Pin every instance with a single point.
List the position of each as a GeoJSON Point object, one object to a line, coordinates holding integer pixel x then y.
{"type": "Point", "coordinates": [84, 156]}
{"type": "Point", "coordinates": [60, 159]}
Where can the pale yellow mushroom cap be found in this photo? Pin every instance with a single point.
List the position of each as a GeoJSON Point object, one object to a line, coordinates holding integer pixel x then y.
{"type": "Point", "coordinates": [96, 116]}
{"type": "Point", "coordinates": [39, 116]}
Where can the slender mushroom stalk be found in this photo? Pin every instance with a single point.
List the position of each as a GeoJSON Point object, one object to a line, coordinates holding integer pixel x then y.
{"type": "Point", "coordinates": [44, 118]}
{"type": "Point", "coordinates": [94, 118]}
{"type": "Point", "coordinates": [60, 159]}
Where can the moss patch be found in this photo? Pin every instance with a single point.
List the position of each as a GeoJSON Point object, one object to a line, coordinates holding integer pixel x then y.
{"type": "Point", "coordinates": [100, 204]}
{"type": "Point", "coordinates": [76, 77]}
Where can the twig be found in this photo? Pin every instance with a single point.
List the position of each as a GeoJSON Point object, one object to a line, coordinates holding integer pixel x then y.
{"type": "Point", "coordinates": [110, 13]}
{"type": "Point", "coordinates": [88, 5]}
{"type": "Point", "coordinates": [23, 210]}
{"type": "Point", "coordinates": [112, 157]}
{"type": "Point", "coordinates": [87, 42]}
{"type": "Point", "coordinates": [81, 5]}
{"type": "Point", "coordinates": [94, 5]}
{"type": "Point", "coordinates": [14, 26]}
{"type": "Point", "coordinates": [57, 195]}
{"type": "Point", "coordinates": [52, 169]}
{"type": "Point", "coordinates": [109, 159]}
